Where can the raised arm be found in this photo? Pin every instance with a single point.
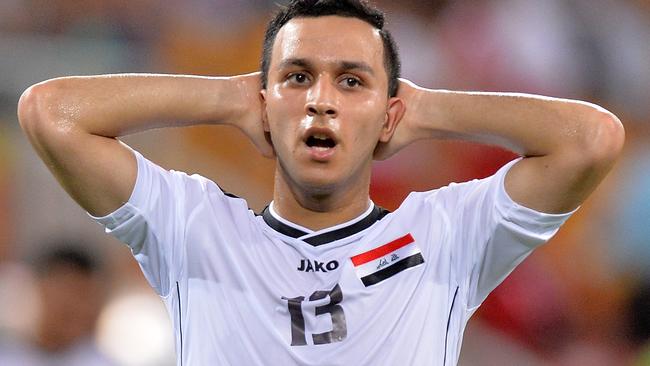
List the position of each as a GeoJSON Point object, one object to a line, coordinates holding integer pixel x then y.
{"type": "Point", "coordinates": [73, 123]}
{"type": "Point", "coordinates": [568, 146]}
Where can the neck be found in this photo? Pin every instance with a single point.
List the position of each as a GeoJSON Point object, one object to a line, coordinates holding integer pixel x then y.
{"type": "Point", "coordinates": [318, 209]}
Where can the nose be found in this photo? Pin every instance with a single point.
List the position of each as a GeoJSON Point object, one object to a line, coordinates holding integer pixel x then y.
{"type": "Point", "coordinates": [321, 100]}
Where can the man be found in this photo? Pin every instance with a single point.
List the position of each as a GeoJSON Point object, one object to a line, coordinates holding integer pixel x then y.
{"type": "Point", "coordinates": [71, 294]}
{"type": "Point", "coordinates": [322, 276]}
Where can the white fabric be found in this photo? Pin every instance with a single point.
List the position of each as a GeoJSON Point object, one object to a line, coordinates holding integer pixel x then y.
{"type": "Point", "coordinates": [226, 276]}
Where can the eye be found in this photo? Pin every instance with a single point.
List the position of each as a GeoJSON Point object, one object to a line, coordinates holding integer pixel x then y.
{"type": "Point", "coordinates": [298, 78]}
{"type": "Point", "coordinates": [350, 82]}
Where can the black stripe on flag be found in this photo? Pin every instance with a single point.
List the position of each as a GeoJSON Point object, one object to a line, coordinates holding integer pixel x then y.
{"type": "Point", "coordinates": [396, 268]}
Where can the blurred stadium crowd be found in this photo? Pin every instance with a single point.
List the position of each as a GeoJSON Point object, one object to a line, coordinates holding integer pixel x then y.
{"type": "Point", "coordinates": [583, 299]}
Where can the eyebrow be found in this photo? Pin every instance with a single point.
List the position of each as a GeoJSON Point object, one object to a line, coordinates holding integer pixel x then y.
{"type": "Point", "coordinates": [361, 66]}
{"type": "Point", "coordinates": [343, 65]}
{"type": "Point", "coordinates": [301, 62]}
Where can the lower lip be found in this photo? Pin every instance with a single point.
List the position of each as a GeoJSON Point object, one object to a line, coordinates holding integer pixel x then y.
{"type": "Point", "coordinates": [321, 155]}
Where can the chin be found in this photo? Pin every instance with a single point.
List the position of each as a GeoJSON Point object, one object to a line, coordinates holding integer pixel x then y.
{"type": "Point", "coordinates": [315, 180]}
{"type": "Point", "coordinates": [321, 182]}
{"type": "Point", "coordinates": [321, 178]}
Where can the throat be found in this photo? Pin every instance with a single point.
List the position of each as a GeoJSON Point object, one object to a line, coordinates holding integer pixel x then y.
{"type": "Point", "coordinates": [317, 208]}
{"type": "Point", "coordinates": [319, 211]}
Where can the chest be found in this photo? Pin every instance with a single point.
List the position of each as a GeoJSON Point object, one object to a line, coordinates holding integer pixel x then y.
{"type": "Point", "coordinates": [389, 282]}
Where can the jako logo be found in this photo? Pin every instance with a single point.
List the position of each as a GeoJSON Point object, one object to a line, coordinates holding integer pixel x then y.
{"type": "Point", "coordinates": [315, 266]}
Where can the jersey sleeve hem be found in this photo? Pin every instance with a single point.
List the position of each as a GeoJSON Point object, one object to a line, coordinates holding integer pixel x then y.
{"type": "Point", "coordinates": [129, 208]}
{"type": "Point", "coordinates": [522, 215]}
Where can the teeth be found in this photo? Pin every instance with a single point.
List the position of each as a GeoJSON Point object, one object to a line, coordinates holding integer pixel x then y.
{"type": "Point", "coordinates": [321, 137]}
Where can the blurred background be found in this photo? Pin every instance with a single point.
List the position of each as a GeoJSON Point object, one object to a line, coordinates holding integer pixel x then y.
{"type": "Point", "coordinates": [583, 299]}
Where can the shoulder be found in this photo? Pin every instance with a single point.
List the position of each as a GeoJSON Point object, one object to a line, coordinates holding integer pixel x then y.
{"type": "Point", "coordinates": [444, 197]}
{"type": "Point", "coordinates": [189, 185]}
{"type": "Point", "coordinates": [456, 201]}
{"type": "Point", "coordinates": [165, 196]}
{"type": "Point", "coordinates": [463, 191]}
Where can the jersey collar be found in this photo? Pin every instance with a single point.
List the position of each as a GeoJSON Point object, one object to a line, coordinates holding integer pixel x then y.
{"type": "Point", "coordinates": [373, 214]}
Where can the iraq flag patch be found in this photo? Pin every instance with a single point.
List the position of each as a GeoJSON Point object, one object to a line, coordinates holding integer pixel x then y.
{"type": "Point", "coordinates": [387, 260]}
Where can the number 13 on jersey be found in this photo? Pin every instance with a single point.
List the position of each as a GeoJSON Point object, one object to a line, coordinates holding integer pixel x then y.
{"type": "Point", "coordinates": [339, 329]}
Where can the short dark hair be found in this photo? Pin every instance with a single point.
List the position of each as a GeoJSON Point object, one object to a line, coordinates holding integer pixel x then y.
{"type": "Point", "coordinates": [68, 253]}
{"type": "Point", "coordinates": [359, 9]}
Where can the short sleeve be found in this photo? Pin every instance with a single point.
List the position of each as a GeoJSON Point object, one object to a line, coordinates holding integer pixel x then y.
{"type": "Point", "coordinates": [152, 222]}
{"type": "Point", "coordinates": [492, 234]}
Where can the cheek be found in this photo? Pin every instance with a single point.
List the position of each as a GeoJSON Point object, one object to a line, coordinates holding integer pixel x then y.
{"type": "Point", "coordinates": [371, 114]}
{"type": "Point", "coordinates": [276, 112]}
{"type": "Point", "coordinates": [282, 105]}
{"type": "Point", "coordinates": [281, 123]}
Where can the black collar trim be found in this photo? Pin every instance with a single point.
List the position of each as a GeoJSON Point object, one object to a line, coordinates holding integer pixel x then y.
{"type": "Point", "coordinates": [376, 214]}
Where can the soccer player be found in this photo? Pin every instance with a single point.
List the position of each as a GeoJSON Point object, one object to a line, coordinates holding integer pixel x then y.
{"type": "Point", "coordinates": [322, 276]}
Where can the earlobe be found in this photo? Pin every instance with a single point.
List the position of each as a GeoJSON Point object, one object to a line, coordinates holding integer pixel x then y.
{"type": "Point", "coordinates": [394, 113]}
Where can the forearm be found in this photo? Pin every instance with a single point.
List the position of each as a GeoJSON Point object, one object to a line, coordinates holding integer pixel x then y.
{"type": "Point", "coordinates": [568, 146]}
{"type": "Point", "coordinates": [73, 124]}
{"type": "Point", "coordinates": [116, 105]}
{"type": "Point", "coordinates": [527, 124]}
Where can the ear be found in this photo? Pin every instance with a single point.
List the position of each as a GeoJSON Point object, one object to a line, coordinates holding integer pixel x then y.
{"type": "Point", "coordinates": [394, 112]}
{"type": "Point", "coordinates": [265, 118]}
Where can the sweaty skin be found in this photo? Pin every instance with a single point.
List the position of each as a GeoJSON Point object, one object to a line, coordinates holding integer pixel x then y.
{"type": "Point", "coordinates": [327, 74]}
{"type": "Point", "coordinates": [326, 78]}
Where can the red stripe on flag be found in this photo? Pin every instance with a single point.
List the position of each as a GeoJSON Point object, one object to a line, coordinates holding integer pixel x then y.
{"type": "Point", "coordinates": [381, 251]}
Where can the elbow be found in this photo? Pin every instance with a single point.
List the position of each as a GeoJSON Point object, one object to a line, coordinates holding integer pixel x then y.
{"type": "Point", "coordinates": [38, 107]}
{"type": "Point", "coordinates": [33, 106]}
{"type": "Point", "coordinates": [28, 107]}
{"type": "Point", "coordinates": [605, 140]}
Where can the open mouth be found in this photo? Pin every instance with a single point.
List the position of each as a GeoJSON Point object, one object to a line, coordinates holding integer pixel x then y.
{"type": "Point", "coordinates": [320, 141]}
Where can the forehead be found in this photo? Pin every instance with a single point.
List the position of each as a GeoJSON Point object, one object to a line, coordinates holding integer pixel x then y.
{"type": "Point", "coordinates": [329, 39]}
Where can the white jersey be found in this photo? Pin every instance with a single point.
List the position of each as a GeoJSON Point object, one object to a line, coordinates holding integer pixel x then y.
{"type": "Point", "coordinates": [383, 289]}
